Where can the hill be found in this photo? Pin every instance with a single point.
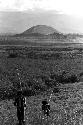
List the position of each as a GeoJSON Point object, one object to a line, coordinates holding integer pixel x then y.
{"type": "Point", "coordinates": [38, 30]}
{"type": "Point", "coordinates": [41, 34]}
{"type": "Point", "coordinates": [47, 32]}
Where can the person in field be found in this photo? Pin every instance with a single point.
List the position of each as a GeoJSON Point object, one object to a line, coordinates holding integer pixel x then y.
{"type": "Point", "coordinates": [20, 103]}
{"type": "Point", "coordinates": [46, 108]}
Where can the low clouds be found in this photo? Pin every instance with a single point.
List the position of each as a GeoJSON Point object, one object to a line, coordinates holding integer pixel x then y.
{"type": "Point", "coordinates": [21, 5]}
{"type": "Point", "coordinates": [72, 7]}
{"type": "Point", "coordinates": [18, 15]}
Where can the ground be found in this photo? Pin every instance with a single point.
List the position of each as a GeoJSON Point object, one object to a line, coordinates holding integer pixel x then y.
{"type": "Point", "coordinates": [66, 105]}
{"type": "Point", "coordinates": [66, 108]}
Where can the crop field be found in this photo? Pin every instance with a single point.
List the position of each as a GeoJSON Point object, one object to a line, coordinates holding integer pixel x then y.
{"type": "Point", "coordinates": [43, 70]}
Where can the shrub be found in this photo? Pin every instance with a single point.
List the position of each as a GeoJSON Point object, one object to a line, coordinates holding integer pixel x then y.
{"type": "Point", "coordinates": [13, 55]}
{"type": "Point", "coordinates": [63, 78]}
{"type": "Point", "coordinates": [72, 79]}
{"type": "Point", "coordinates": [56, 90]}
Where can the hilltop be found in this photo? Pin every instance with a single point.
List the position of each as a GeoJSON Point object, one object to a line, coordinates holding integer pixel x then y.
{"type": "Point", "coordinates": [39, 30]}
{"type": "Point", "coordinates": [47, 32]}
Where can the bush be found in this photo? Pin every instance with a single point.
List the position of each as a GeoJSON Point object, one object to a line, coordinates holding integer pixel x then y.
{"type": "Point", "coordinates": [63, 78]}
{"type": "Point", "coordinates": [56, 90]}
{"type": "Point", "coordinates": [72, 79]}
{"type": "Point", "coordinates": [12, 55]}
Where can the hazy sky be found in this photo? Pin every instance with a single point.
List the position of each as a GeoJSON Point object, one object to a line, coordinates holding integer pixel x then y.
{"type": "Point", "coordinates": [19, 15]}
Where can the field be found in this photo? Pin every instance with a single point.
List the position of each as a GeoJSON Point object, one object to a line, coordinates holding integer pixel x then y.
{"type": "Point", "coordinates": [43, 70]}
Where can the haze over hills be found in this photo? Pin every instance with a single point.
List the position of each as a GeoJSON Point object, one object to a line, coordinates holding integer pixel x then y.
{"type": "Point", "coordinates": [41, 34]}
{"type": "Point", "coordinates": [47, 32]}
{"type": "Point", "coordinates": [44, 30]}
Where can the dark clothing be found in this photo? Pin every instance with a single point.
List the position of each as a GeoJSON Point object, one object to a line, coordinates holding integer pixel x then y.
{"type": "Point", "coordinates": [20, 113]}
{"type": "Point", "coordinates": [20, 104]}
{"type": "Point", "coordinates": [45, 108]}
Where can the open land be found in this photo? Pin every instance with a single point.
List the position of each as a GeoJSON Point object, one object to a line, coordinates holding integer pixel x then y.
{"type": "Point", "coordinates": [43, 70]}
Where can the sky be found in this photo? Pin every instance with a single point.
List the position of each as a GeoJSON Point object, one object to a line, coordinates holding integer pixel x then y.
{"type": "Point", "coordinates": [17, 16]}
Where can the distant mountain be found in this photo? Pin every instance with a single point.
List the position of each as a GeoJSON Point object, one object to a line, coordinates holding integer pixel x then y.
{"type": "Point", "coordinates": [47, 34]}
{"type": "Point", "coordinates": [39, 30]}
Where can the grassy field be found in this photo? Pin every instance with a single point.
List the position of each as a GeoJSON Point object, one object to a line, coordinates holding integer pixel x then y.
{"type": "Point", "coordinates": [40, 70]}
{"type": "Point", "coordinates": [66, 108]}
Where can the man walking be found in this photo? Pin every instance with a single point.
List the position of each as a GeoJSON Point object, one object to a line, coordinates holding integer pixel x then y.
{"type": "Point", "coordinates": [20, 103]}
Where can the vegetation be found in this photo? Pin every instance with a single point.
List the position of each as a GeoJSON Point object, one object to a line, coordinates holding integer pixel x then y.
{"type": "Point", "coordinates": [40, 70]}
{"type": "Point", "coordinates": [64, 80]}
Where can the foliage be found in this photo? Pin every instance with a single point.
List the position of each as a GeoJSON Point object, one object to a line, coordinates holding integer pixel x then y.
{"type": "Point", "coordinates": [62, 79]}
